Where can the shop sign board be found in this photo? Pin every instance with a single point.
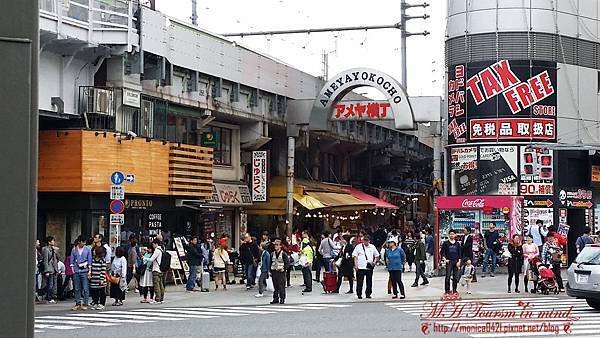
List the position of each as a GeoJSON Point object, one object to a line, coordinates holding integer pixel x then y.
{"type": "Point", "coordinates": [117, 192]}
{"type": "Point", "coordinates": [154, 224]}
{"type": "Point", "coordinates": [138, 203]}
{"type": "Point", "coordinates": [506, 100]}
{"type": "Point", "coordinates": [536, 171]}
{"type": "Point", "coordinates": [572, 198]}
{"type": "Point", "coordinates": [209, 139]}
{"type": "Point", "coordinates": [362, 110]}
{"type": "Point", "coordinates": [532, 215]}
{"type": "Point", "coordinates": [231, 194]}
{"type": "Point", "coordinates": [595, 173]}
{"type": "Point", "coordinates": [463, 169]}
{"type": "Point", "coordinates": [131, 98]}
{"type": "Point", "coordinates": [259, 176]}
{"type": "Point", "coordinates": [498, 170]}
{"type": "Point", "coordinates": [117, 219]}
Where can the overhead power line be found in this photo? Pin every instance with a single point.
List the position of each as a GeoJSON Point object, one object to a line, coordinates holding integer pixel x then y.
{"type": "Point", "coordinates": [317, 30]}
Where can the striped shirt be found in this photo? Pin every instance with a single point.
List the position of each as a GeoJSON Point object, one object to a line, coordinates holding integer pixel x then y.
{"type": "Point", "coordinates": [98, 273]}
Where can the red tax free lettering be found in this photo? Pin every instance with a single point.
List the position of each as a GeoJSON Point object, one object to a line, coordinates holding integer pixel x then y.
{"type": "Point", "coordinates": [528, 93]}
{"type": "Point", "coordinates": [493, 80]}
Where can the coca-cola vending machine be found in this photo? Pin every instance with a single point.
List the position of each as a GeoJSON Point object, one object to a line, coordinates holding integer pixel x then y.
{"type": "Point", "coordinates": [478, 213]}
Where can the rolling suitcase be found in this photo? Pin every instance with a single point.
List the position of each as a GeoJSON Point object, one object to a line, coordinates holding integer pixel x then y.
{"type": "Point", "coordinates": [329, 282]}
{"type": "Point", "coordinates": [204, 281]}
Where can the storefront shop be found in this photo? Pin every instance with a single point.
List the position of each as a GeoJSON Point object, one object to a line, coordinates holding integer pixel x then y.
{"type": "Point", "coordinates": [229, 217]}
{"type": "Point", "coordinates": [478, 213]}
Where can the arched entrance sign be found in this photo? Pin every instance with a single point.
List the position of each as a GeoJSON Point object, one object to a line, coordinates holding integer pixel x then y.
{"type": "Point", "coordinates": [341, 84]}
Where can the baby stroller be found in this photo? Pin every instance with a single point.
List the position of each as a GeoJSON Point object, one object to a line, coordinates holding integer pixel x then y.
{"type": "Point", "coordinates": [547, 281]}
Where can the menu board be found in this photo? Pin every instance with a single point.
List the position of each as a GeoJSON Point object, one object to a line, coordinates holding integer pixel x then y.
{"type": "Point", "coordinates": [498, 170]}
{"type": "Point", "coordinates": [536, 171]}
{"type": "Point", "coordinates": [463, 170]}
{"type": "Point", "coordinates": [154, 225]}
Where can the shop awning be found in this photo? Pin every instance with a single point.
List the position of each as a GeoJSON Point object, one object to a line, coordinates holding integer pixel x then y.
{"type": "Point", "coordinates": [340, 202]}
{"type": "Point", "coordinates": [308, 202]}
{"type": "Point", "coordinates": [371, 199]}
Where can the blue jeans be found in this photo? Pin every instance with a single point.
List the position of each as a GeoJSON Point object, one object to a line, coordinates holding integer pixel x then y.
{"type": "Point", "coordinates": [81, 286]}
{"type": "Point", "coordinates": [250, 274]}
{"type": "Point", "coordinates": [191, 281]}
{"type": "Point", "coordinates": [489, 253]}
{"type": "Point", "coordinates": [328, 264]}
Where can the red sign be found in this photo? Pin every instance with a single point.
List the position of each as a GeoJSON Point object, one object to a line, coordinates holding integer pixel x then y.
{"type": "Point", "coordinates": [512, 128]}
{"type": "Point", "coordinates": [475, 202]}
{"type": "Point", "coordinates": [362, 110]}
{"type": "Point", "coordinates": [117, 206]}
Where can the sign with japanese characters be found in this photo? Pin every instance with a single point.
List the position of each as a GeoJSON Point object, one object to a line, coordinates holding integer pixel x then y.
{"type": "Point", "coordinates": [575, 198]}
{"type": "Point", "coordinates": [362, 110]}
{"type": "Point", "coordinates": [231, 194]}
{"type": "Point", "coordinates": [532, 215]}
{"type": "Point", "coordinates": [536, 171]}
{"type": "Point", "coordinates": [259, 176]}
{"type": "Point", "coordinates": [463, 170]}
{"type": "Point", "coordinates": [498, 170]}
{"type": "Point", "coordinates": [508, 100]}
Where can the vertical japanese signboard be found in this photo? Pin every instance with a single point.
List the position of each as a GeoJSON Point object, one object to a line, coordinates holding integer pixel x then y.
{"type": "Point", "coordinates": [536, 171]}
{"type": "Point", "coordinates": [259, 176]}
{"type": "Point", "coordinates": [463, 169]}
{"type": "Point", "coordinates": [502, 101]}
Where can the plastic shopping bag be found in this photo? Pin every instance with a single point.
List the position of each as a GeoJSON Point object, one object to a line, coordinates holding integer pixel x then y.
{"type": "Point", "coordinates": [270, 286]}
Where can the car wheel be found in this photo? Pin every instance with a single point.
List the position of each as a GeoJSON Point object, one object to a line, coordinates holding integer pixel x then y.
{"type": "Point", "coordinates": [593, 303]}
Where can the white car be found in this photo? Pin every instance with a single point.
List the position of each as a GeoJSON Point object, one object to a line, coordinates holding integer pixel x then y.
{"type": "Point", "coordinates": [584, 276]}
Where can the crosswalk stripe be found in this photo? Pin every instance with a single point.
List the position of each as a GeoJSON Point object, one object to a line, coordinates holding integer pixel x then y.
{"type": "Point", "coordinates": [73, 322]}
{"type": "Point", "coordinates": [152, 313]}
{"type": "Point", "coordinates": [209, 314]}
{"type": "Point", "coordinates": [57, 327]}
{"type": "Point", "coordinates": [467, 300]}
{"type": "Point", "coordinates": [301, 307]}
{"type": "Point", "coordinates": [120, 315]}
{"type": "Point", "coordinates": [250, 311]}
{"type": "Point", "coordinates": [255, 310]}
{"type": "Point", "coordinates": [280, 308]}
{"type": "Point", "coordinates": [109, 320]}
{"type": "Point", "coordinates": [38, 331]}
{"type": "Point", "coordinates": [332, 305]}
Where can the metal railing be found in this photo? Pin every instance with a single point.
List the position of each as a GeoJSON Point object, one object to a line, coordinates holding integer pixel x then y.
{"type": "Point", "coordinates": [95, 15]}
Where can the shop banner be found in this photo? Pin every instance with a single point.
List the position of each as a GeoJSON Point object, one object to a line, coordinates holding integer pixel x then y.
{"type": "Point", "coordinates": [362, 110]}
{"type": "Point", "coordinates": [532, 215]}
{"type": "Point", "coordinates": [259, 176]}
{"type": "Point", "coordinates": [536, 171]}
{"type": "Point", "coordinates": [498, 170]}
{"type": "Point", "coordinates": [231, 194]}
{"type": "Point", "coordinates": [507, 100]}
{"type": "Point", "coordinates": [595, 175]}
{"type": "Point", "coordinates": [463, 169]}
{"type": "Point", "coordinates": [575, 198]}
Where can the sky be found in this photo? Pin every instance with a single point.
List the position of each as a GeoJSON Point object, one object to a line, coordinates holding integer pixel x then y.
{"type": "Point", "coordinates": [378, 49]}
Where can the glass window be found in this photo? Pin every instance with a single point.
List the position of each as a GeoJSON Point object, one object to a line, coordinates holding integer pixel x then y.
{"type": "Point", "coordinates": [222, 148]}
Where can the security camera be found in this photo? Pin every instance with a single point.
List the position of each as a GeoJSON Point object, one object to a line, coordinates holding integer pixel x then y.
{"type": "Point", "coordinates": [131, 134]}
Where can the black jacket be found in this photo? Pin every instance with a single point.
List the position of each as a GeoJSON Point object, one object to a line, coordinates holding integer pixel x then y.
{"type": "Point", "coordinates": [249, 253]}
{"type": "Point", "coordinates": [347, 268]}
{"type": "Point", "coordinates": [194, 257]}
{"type": "Point", "coordinates": [467, 247]}
{"type": "Point", "coordinates": [450, 251]}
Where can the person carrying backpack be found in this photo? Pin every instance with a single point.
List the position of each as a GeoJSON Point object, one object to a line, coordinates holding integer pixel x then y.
{"type": "Point", "coordinates": [584, 239]}
{"type": "Point", "coordinates": [158, 264]}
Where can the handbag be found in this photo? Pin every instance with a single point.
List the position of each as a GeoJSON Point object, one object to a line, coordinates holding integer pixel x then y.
{"type": "Point", "coordinates": [370, 265]}
{"type": "Point", "coordinates": [112, 279]}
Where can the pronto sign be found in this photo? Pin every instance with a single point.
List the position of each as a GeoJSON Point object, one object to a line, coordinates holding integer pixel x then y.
{"type": "Point", "coordinates": [343, 83]}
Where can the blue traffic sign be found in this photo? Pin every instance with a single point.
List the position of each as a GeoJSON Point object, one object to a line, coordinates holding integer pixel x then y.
{"type": "Point", "coordinates": [117, 207]}
{"type": "Point", "coordinates": [117, 178]}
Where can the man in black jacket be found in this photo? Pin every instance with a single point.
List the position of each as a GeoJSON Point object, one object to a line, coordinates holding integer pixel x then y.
{"type": "Point", "coordinates": [249, 256]}
{"type": "Point", "coordinates": [450, 253]}
{"type": "Point", "coordinates": [194, 260]}
{"type": "Point", "coordinates": [467, 249]}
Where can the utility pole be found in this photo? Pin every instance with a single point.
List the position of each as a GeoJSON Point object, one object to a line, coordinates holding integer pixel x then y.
{"type": "Point", "coordinates": [195, 12]}
{"type": "Point", "coordinates": [19, 49]}
{"type": "Point", "coordinates": [404, 34]}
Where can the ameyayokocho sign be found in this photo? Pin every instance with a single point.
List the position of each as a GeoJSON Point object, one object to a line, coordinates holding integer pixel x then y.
{"type": "Point", "coordinates": [508, 100]}
{"type": "Point", "coordinates": [260, 166]}
{"type": "Point", "coordinates": [362, 110]}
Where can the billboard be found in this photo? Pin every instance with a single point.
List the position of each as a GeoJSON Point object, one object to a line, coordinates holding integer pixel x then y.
{"type": "Point", "coordinates": [498, 170]}
{"type": "Point", "coordinates": [503, 101]}
{"type": "Point", "coordinates": [463, 170]}
{"type": "Point", "coordinates": [259, 176]}
{"type": "Point", "coordinates": [536, 171]}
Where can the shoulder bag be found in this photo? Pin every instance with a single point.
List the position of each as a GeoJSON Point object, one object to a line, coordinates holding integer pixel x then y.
{"type": "Point", "coordinates": [370, 265]}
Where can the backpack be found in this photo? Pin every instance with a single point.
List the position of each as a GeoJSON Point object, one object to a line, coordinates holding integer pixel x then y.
{"type": "Point", "coordinates": [165, 261]}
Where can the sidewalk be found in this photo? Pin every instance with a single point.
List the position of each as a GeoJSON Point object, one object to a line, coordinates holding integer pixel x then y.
{"type": "Point", "coordinates": [176, 296]}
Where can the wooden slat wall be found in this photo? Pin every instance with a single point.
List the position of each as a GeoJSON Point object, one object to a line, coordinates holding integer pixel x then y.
{"type": "Point", "coordinates": [59, 167]}
{"type": "Point", "coordinates": [190, 170]}
{"type": "Point", "coordinates": [82, 161]}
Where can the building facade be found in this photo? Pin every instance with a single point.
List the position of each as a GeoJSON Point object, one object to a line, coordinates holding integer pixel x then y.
{"type": "Point", "coordinates": [178, 111]}
{"type": "Point", "coordinates": [522, 113]}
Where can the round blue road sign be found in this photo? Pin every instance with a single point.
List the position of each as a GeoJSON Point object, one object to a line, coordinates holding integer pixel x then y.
{"type": "Point", "coordinates": [117, 178]}
{"type": "Point", "coordinates": [117, 206]}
